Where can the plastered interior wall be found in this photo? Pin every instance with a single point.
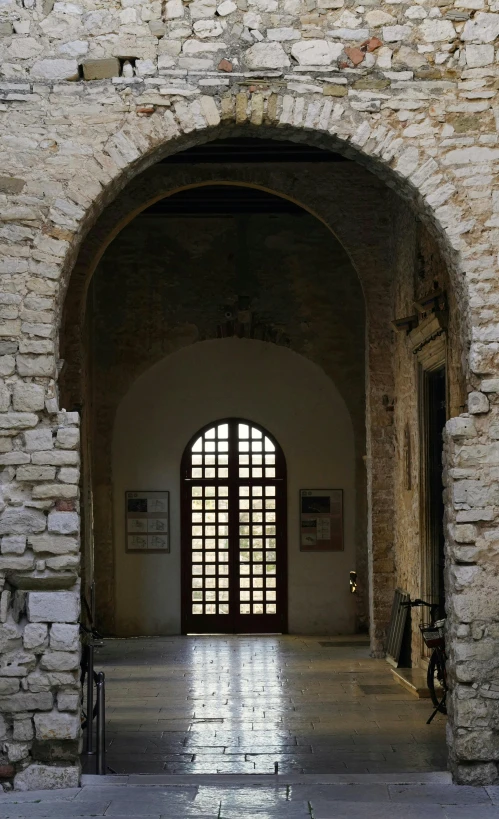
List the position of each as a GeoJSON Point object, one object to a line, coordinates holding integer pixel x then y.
{"type": "Point", "coordinates": [288, 395]}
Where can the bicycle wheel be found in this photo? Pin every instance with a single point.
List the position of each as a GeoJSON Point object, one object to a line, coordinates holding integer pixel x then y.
{"type": "Point", "coordinates": [437, 681]}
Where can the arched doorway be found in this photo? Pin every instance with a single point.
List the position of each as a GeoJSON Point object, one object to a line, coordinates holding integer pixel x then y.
{"type": "Point", "coordinates": [234, 566]}
{"type": "Point", "coordinates": [391, 283]}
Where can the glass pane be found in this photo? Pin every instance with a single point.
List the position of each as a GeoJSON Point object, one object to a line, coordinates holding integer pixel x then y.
{"type": "Point", "coordinates": [210, 433]}
{"type": "Point", "coordinates": [269, 446]}
{"type": "Point", "coordinates": [223, 431]}
{"type": "Point", "coordinates": [255, 433]}
{"type": "Point", "coordinates": [198, 445]}
{"type": "Point", "coordinates": [243, 431]}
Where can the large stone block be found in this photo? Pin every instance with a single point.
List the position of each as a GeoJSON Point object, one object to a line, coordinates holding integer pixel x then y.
{"type": "Point", "coordinates": [55, 70]}
{"type": "Point", "coordinates": [478, 745]}
{"type": "Point", "coordinates": [63, 523]}
{"type": "Point", "coordinates": [35, 636]}
{"type": "Point", "coordinates": [266, 55]}
{"type": "Point", "coordinates": [68, 438]}
{"type": "Point", "coordinates": [35, 473]}
{"type": "Point", "coordinates": [18, 420]}
{"type": "Point", "coordinates": [47, 777]}
{"type": "Point", "coordinates": [21, 521]}
{"type": "Point", "coordinates": [23, 730]}
{"type": "Point", "coordinates": [484, 28]}
{"type": "Point", "coordinates": [68, 700]}
{"type": "Point", "coordinates": [58, 457]}
{"type": "Point", "coordinates": [16, 562]}
{"type": "Point", "coordinates": [37, 365]}
{"type": "Point", "coordinates": [4, 398]}
{"type": "Point", "coordinates": [461, 427]}
{"type": "Point", "coordinates": [38, 439]}
{"type": "Point", "coordinates": [53, 544]}
{"type": "Point", "coordinates": [13, 544]}
{"type": "Point", "coordinates": [316, 52]}
{"type": "Point", "coordinates": [478, 403]}
{"type": "Point", "coordinates": [53, 607]}
{"type": "Point", "coordinates": [60, 661]}
{"type": "Point", "coordinates": [27, 702]}
{"type": "Point", "coordinates": [64, 637]}
{"type": "Point", "coordinates": [56, 725]}
{"type": "Point", "coordinates": [55, 490]}
{"type": "Point", "coordinates": [28, 397]}
{"type": "Point", "coordinates": [101, 69]}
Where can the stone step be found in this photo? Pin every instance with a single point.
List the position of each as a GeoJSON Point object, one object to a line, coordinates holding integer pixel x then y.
{"type": "Point", "coordinates": [413, 680]}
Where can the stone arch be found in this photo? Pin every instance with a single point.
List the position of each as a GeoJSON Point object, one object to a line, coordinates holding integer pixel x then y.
{"type": "Point", "coordinates": [137, 185]}
{"type": "Point", "coordinates": [422, 179]}
{"type": "Point", "coordinates": [381, 152]}
{"type": "Point", "coordinates": [426, 181]}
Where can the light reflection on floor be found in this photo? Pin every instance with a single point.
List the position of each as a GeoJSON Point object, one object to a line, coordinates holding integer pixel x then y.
{"type": "Point", "coordinates": [260, 704]}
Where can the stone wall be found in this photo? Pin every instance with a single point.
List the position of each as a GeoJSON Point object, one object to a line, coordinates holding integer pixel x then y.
{"type": "Point", "coordinates": [407, 90]}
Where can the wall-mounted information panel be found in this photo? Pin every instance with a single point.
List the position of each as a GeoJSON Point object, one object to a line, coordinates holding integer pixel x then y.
{"type": "Point", "coordinates": [147, 521]}
{"type": "Point", "coordinates": [321, 520]}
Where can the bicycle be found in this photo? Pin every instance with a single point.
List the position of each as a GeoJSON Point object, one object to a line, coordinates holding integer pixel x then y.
{"type": "Point", "coordinates": [86, 667]}
{"type": "Point", "coordinates": [434, 638]}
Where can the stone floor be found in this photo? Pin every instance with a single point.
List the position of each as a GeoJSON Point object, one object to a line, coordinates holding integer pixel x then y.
{"type": "Point", "coordinates": [368, 797]}
{"type": "Point", "coordinates": [260, 705]}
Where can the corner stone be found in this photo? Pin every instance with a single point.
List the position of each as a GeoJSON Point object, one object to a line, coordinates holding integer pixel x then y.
{"type": "Point", "coordinates": [55, 725]}
{"type": "Point", "coordinates": [53, 607]}
{"type": "Point", "coordinates": [47, 777]}
{"type": "Point", "coordinates": [478, 403]}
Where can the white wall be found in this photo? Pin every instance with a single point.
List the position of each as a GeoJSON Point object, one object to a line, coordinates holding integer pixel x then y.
{"type": "Point", "coordinates": [299, 405]}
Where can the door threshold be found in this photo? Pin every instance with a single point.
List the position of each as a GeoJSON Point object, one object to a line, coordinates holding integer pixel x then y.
{"type": "Point", "coordinates": [272, 780]}
{"type": "Point", "coordinates": [234, 634]}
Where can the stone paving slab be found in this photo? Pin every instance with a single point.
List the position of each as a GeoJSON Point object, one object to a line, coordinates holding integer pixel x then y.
{"type": "Point", "coordinates": [207, 797]}
{"type": "Point", "coordinates": [281, 700]}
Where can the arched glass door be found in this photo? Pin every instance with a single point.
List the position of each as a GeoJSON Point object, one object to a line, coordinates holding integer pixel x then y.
{"type": "Point", "coordinates": [234, 576]}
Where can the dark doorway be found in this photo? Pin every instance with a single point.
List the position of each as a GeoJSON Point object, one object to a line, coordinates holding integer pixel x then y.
{"type": "Point", "coordinates": [234, 545]}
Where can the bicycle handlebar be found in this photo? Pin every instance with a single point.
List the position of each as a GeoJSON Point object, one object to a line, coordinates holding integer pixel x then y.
{"type": "Point", "coordinates": [416, 603]}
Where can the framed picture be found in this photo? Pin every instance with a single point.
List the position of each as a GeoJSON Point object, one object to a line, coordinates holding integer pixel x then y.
{"type": "Point", "coordinates": [147, 521]}
{"type": "Point", "coordinates": [321, 520]}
